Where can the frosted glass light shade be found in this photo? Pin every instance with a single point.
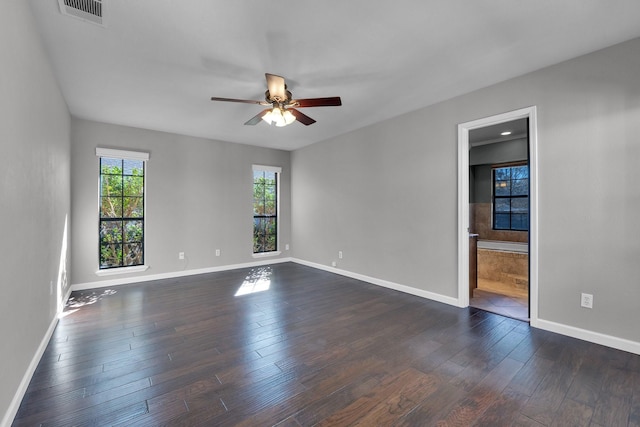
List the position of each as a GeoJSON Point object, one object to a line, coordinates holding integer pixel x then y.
{"type": "Point", "coordinates": [279, 117]}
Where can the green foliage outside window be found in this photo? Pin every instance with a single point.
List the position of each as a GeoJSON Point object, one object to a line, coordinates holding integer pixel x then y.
{"type": "Point", "coordinates": [121, 212]}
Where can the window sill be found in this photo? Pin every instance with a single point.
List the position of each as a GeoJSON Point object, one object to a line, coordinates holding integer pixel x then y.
{"type": "Point", "coordinates": [266, 254]}
{"type": "Point", "coordinates": [122, 270]}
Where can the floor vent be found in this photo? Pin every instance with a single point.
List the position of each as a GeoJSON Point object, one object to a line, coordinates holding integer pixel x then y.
{"type": "Point", "coordinates": [87, 10]}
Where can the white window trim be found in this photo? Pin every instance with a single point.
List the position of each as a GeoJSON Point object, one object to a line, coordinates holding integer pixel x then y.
{"type": "Point", "coordinates": [278, 170]}
{"type": "Point", "coordinates": [266, 254]}
{"type": "Point", "coordinates": [121, 154]}
{"type": "Point", "coordinates": [121, 270]}
{"type": "Point", "coordinates": [129, 155]}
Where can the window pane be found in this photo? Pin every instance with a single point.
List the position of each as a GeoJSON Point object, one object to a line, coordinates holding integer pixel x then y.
{"type": "Point", "coordinates": [520, 187]}
{"type": "Point", "coordinates": [270, 178]}
{"type": "Point", "coordinates": [270, 192]}
{"type": "Point", "coordinates": [520, 205]}
{"type": "Point", "coordinates": [133, 167]}
{"type": "Point", "coordinates": [520, 221]}
{"type": "Point", "coordinates": [257, 175]}
{"type": "Point", "coordinates": [258, 207]}
{"type": "Point", "coordinates": [110, 256]}
{"type": "Point", "coordinates": [111, 185]}
{"type": "Point", "coordinates": [258, 235]}
{"type": "Point", "coordinates": [133, 207]}
{"type": "Point", "coordinates": [110, 207]}
{"type": "Point", "coordinates": [502, 174]}
{"type": "Point", "coordinates": [133, 254]}
{"type": "Point", "coordinates": [270, 226]}
{"type": "Point", "coordinates": [133, 231]}
{"type": "Point", "coordinates": [502, 188]}
{"type": "Point", "coordinates": [258, 190]}
{"type": "Point", "coordinates": [110, 232]}
{"type": "Point", "coordinates": [110, 166]}
{"type": "Point", "coordinates": [133, 186]}
{"type": "Point", "coordinates": [270, 208]}
{"type": "Point", "coordinates": [270, 244]}
{"type": "Point", "coordinates": [502, 221]}
{"type": "Point", "coordinates": [502, 205]}
{"type": "Point", "coordinates": [519, 172]}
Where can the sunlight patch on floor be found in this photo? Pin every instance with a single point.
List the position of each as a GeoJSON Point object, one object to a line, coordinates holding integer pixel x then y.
{"type": "Point", "coordinates": [258, 280]}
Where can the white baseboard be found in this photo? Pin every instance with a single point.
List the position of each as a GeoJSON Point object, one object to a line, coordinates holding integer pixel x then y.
{"type": "Point", "coordinates": [173, 274]}
{"type": "Point", "coordinates": [586, 335]}
{"type": "Point", "coordinates": [384, 283]}
{"type": "Point", "coordinates": [7, 420]}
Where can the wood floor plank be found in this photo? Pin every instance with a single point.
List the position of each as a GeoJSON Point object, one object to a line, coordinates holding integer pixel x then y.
{"type": "Point", "coordinates": [487, 393]}
{"type": "Point", "coordinates": [387, 396]}
{"type": "Point", "coordinates": [572, 413]}
{"type": "Point", "coordinates": [315, 349]}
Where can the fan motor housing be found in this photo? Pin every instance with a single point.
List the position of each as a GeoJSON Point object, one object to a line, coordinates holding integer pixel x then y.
{"type": "Point", "coordinates": [267, 97]}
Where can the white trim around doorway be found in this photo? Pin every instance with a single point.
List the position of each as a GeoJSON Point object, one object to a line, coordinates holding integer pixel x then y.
{"type": "Point", "coordinates": [463, 204]}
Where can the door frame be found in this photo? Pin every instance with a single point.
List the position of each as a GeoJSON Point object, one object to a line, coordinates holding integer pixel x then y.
{"type": "Point", "coordinates": [463, 203]}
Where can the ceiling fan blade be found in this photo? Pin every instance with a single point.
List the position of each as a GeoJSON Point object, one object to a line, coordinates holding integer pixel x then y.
{"type": "Point", "coordinates": [334, 101]}
{"type": "Point", "coordinates": [246, 101]}
{"type": "Point", "coordinates": [257, 118]}
{"type": "Point", "coordinates": [301, 117]}
{"type": "Point", "coordinates": [276, 87]}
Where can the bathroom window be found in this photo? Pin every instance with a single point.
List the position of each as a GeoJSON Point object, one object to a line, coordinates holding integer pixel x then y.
{"type": "Point", "coordinates": [511, 197]}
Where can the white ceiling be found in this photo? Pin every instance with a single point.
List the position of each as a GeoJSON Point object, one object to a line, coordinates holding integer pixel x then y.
{"type": "Point", "coordinates": [157, 62]}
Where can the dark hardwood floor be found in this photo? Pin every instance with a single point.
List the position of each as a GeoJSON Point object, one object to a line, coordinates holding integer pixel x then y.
{"type": "Point", "coordinates": [314, 349]}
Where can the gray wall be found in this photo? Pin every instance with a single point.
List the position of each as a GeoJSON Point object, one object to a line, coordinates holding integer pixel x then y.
{"type": "Point", "coordinates": [480, 184]}
{"type": "Point", "coordinates": [386, 194]}
{"type": "Point", "coordinates": [199, 198]}
{"type": "Point", "coordinates": [34, 195]}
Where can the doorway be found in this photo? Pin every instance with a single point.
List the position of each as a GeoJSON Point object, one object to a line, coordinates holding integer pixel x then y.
{"type": "Point", "coordinates": [499, 218]}
{"type": "Point", "coordinates": [490, 164]}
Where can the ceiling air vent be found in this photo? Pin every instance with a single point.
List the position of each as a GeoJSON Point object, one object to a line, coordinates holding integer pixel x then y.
{"type": "Point", "coordinates": [87, 10]}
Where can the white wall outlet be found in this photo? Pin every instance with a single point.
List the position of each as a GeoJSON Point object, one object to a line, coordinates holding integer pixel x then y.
{"type": "Point", "coordinates": [586, 300]}
{"type": "Point", "coordinates": [339, 254]}
{"type": "Point", "coordinates": [217, 252]}
{"type": "Point", "coordinates": [180, 255]}
{"type": "Point", "coordinates": [333, 263]}
{"type": "Point", "coordinates": [286, 247]}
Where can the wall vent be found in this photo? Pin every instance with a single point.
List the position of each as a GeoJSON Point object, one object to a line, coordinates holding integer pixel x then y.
{"type": "Point", "coordinates": [87, 10]}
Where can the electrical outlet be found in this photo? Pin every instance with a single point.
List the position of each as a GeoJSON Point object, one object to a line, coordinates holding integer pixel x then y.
{"type": "Point", "coordinates": [217, 252]}
{"type": "Point", "coordinates": [586, 301]}
{"type": "Point", "coordinates": [333, 263]}
{"type": "Point", "coordinates": [180, 255]}
{"type": "Point", "coordinates": [286, 247]}
{"type": "Point", "coordinates": [339, 254]}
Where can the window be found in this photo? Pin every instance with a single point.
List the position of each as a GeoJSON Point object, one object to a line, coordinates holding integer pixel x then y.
{"type": "Point", "coordinates": [511, 197]}
{"type": "Point", "coordinates": [265, 209]}
{"type": "Point", "coordinates": [121, 215]}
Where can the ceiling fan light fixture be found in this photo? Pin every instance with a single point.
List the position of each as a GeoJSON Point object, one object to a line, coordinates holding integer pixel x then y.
{"type": "Point", "coordinates": [279, 117]}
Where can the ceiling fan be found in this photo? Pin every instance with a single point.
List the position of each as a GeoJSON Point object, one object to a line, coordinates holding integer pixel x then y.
{"type": "Point", "coordinates": [282, 109]}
